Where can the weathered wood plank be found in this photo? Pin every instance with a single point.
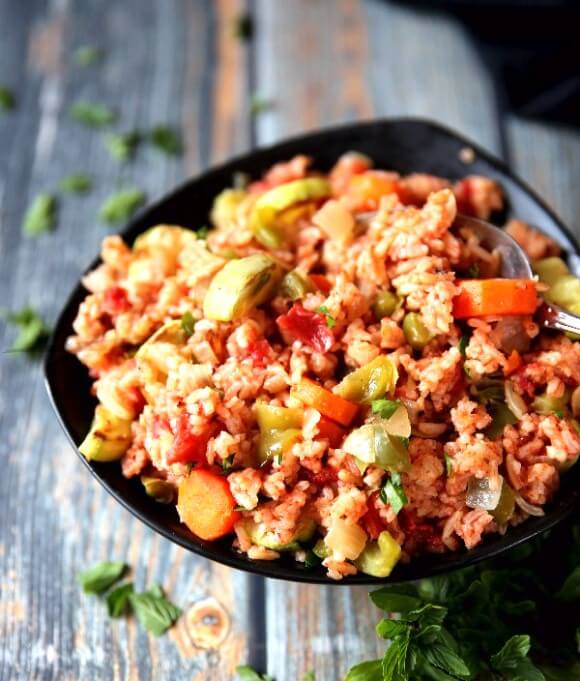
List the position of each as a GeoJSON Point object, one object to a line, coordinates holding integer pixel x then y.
{"type": "Point", "coordinates": [322, 63]}
{"type": "Point", "coordinates": [163, 64]}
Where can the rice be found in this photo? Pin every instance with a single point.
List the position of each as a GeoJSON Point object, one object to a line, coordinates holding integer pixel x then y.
{"type": "Point", "coordinates": [192, 397]}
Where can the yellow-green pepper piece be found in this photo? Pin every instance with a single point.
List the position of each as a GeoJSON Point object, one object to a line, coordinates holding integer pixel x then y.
{"type": "Point", "coordinates": [268, 539]}
{"type": "Point", "coordinates": [274, 201]}
{"type": "Point", "coordinates": [166, 237]}
{"type": "Point", "coordinates": [241, 285]}
{"type": "Point", "coordinates": [550, 269]}
{"type": "Point", "coordinates": [108, 439]}
{"type": "Point", "coordinates": [274, 443]}
{"type": "Point", "coordinates": [295, 286]}
{"type": "Point", "coordinates": [505, 506]}
{"type": "Point", "coordinates": [158, 489]}
{"type": "Point", "coordinates": [379, 557]}
{"type": "Point", "coordinates": [385, 304]}
{"type": "Point", "coordinates": [372, 444]}
{"type": "Point", "coordinates": [416, 333]}
{"type": "Point", "coordinates": [371, 382]}
{"type": "Point", "coordinates": [271, 417]}
{"type": "Point", "coordinates": [550, 405]}
{"type": "Point", "coordinates": [320, 549]}
{"type": "Point", "coordinates": [225, 207]}
{"type": "Point", "coordinates": [565, 291]}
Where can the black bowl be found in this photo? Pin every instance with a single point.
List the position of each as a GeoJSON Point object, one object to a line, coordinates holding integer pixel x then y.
{"type": "Point", "coordinates": [404, 145]}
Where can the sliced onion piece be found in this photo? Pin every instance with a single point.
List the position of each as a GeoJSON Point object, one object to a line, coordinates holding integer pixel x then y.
{"type": "Point", "coordinates": [530, 509]}
{"type": "Point", "coordinates": [483, 494]}
{"type": "Point", "coordinates": [514, 401]}
{"type": "Point", "coordinates": [399, 423]}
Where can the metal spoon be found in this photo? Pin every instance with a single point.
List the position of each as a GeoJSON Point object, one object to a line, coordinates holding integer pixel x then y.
{"type": "Point", "coordinates": [515, 265]}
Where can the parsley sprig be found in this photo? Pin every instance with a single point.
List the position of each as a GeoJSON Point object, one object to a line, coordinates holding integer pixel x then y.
{"type": "Point", "coordinates": [33, 330]}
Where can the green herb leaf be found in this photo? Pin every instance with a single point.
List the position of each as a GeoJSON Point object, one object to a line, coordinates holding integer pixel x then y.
{"type": "Point", "coordinates": [33, 329]}
{"type": "Point", "coordinates": [40, 216]}
{"type": "Point", "coordinates": [396, 665]}
{"type": "Point", "coordinates": [154, 611]}
{"type": "Point", "coordinates": [311, 560]}
{"type": "Point", "coordinates": [392, 493]}
{"type": "Point", "coordinates": [244, 27]}
{"type": "Point", "coordinates": [308, 676]}
{"type": "Point", "coordinates": [448, 464]}
{"type": "Point", "coordinates": [259, 105]}
{"type": "Point", "coordinates": [121, 206]}
{"type": "Point", "coordinates": [513, 663]}
{"type": "Point", "coordinates": [187, 323]}
{"type": "Point", "coordinates": [390, 600]}
{"type": "Point", "coordinates": [87, 55]}
{"type": "Point", "coordinates": [366, 671]}
{"type": "Point", "coordinates": [7, 99]}
{"type": "Point", "coordinates": [118, 599]}
{"type": "Point", "coordinates": [166, 139]}
{"type": "Point", "coordinates": [227, 463]}
{"type": "Point", "coordinates": [246, 673]}
{"type": "Point", "coordinates": [202, 232]}
{"type": "Point", "coordinates": [570, 590]}
{"type": "Point", "coordinates": [385, 408]}
{"type": "Point", "coordinates": [77, 183]}
{"type": "Point", "coordinates": [330, 320]}
{"type": "Point", "coordinates": [463, 343]}
{"type": "Point", "coordinates": [443, 657]}
{"type": "Point", "coordinates": [100, 577]}
{"type": "Point", "coordinates": [92, 115]}
{"type": "Point", "coordinates": [388, 629]}
{"type": "Point", "coordinates": [122, 146]}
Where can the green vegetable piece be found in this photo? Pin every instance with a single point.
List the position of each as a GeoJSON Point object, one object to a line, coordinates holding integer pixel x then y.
{"type": "Point", "coordinates": [202, 232]}
{"type": "Point", "coordinates": [78, 183]}
{"type": "Point", "coordinates": [311, 560]}
{"type": "Point", "coordinates": [370, 382]}
{"type": "Point", "coordinates": [247, 673]}
{"type": "Point", "coordinates": [240, 286]}
{"type": "Point", "coordinates": [166, 140]}
{"type": "Point", "coordinates": [501, 417]}
{"type": "Point", "coordinates": [187, 323]}
{"type": "Point", "coordinates": [118, 600]}
{"type": "Point", "coordinates": [330, 320]}
{"type": "Point", "coordinates": [121, 205]}
{"type": "Point", "coordinates": [122, 146]}
{"type": "Point", "coordinates": [320, 549]}
{"type": "Point", "coordinates": [463, 343]}
{"type": "Point", "coordinates": [271, 417]}
{"type": "Point", "coordinates": [570, 590]}
{"type": "Point", "coordinates": [295, 286]}
{"type": "Point", "coordinates": [108, 439]}
{"type": "Point", "coordinates": [7, 99]}
{"type": "Point", "coordinates": [385, 408]}
{"type": "Point", "coordinates": [506, 505]}
{"type": "Point", "coordinates": [379, 557]}
{"type": "Point", "coordinates": [513, 661]}
{"type": "Point", "coordinates": [40, 216]}
{"type": "Point", "coordinates": [392, 493]}
{"type": "Point", "coordinates": [385, 304]}
{"type": "Point", "coordinates": [549, 270]}
{"type": "Point", "coordinates": [100, 577]}
{"type": "Point", "coordinates": [551, 405]}
{"type": "Point", "coordinates": [33, 330]}
{"type": "Point", "coordinates": [155, 613]}
{"type": "Point", "coordinates": [87, 55]}
{"type": "Point", "coordinates": [372, 444]}
{"type": "Point", "coordinates": [565, 291]}
{"type": "Point", "coordinates": [278, 199]}
{"type": "Point", "coordinates": [92, 115]}
{"type": "Point", "coordinates": [268, 539]}
{"type": "Point", "coordinates": [274, 443]}
{"type": "Point", "coordinates": [415, 331]}
{"type": "Point", "coordinates": [225, 207]}
{"type": "Point", "coordinates": [371, 670]}
{"type": "Point", "coordinates": [448, 464]}
{"type": "Point", "coordinates": [158, 489]}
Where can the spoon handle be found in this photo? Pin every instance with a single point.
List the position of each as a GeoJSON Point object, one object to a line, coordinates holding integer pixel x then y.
{"type": "Point", "coordinates": [553, 317]}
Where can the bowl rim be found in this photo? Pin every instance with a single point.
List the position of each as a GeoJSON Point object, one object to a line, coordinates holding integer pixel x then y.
{"type": "Point", "coordinates": [277, 569]}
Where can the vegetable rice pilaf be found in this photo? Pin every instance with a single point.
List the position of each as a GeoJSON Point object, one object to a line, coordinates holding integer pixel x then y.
{"type": "Point", "coordinates": [335, 371]}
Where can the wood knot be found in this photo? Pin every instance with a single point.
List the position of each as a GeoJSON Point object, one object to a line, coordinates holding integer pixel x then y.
{"type": "Point", "coordinates": [207, 623]}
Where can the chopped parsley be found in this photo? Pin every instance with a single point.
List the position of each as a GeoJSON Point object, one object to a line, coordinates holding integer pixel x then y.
{"type": "Point", "coordinates": [448, 464]}
{"type": "Point", "coordinates": [228, 463]}
{"type": "Point", "coordinates": [7, 99]}
{"type": "Point", "coordinates": [33, 330]}
{"type": "Point", "coordinates": [92, 115]}
{"type": "Point", "coordinates": [121, 205]}
{"type": "Point", "coordinates": [385, 408]}
{"type": "Point", "coordinates": [392, 493]}
{"type": "Point", "coordinates": [153, 610]}
{"type": "Point", "coordinates": [41, 215]}
{"type": "Point", "coordinates": [101, 577]}
{"type": "Point", "coordinates": [77, 183]}
{"type": "Point", "coordinates": [118, 599]}
{"type": "Point", "coordinates": [187, 323]}
{"type": "Point", "coordinates": [463, 342]}
{"type": "Point", "coordinates": [247, 673]}
{"type": "Point", "coordinates": [166, 139]}
{"type": "Point", "coordinates": [330, 320]}
{"type": "Point", "coordinates": [122, 146]}
{"type": "Point", "coordinates": [202, 232]}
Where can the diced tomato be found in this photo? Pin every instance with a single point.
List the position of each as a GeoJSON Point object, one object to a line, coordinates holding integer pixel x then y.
{"type": "Point", "coordinates": [190, 447]}
{"type": "Point", "coordinates": [259, 352]}
{"type": "Point", "coordinates": [324, 477]}
{"type": "Point", "coordinates": [308, 327]}
{"type": "Point", "coordinates": [463, 195]}
{"type": "Point", "coordinates": [371, 521]}
{"type": "Point", "coordinates": [321, 283]}
{"type": "Point", "coordinates": [116, 300]}
{"type": "Point", "coordinates": [419, 536]}
{"type": "Point", "coordinates": [331, 431]}
{"type": "Point", "coordinates": [347, 166]}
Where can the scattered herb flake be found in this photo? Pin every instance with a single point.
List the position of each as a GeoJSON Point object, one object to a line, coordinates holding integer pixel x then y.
{"type": "Point", "coordinates": [101, 576]}
{"type": "Point", "coordinates": [385, 408]}
{"type": "Point", "coordinates": [463, 342]}
{"type": "Point", "coordinates": [92, 115]}
{"type": "Point", "coordinates": [187, 323]}
{"type": "Point", "coordinates": [88, 55]}
{"type": "Point", "coordinates": [244, 27]}
{"type": "Point", "coordinates": [311, 560]}
{"type": "Point", "coordinates": [246, 673]}
{"type": "Point", "coordinates": [202, 232]}
{"type": "Point", "coordinates": [121, 205]}
{"type": "Point", "coordinates": [448, 464]}
{"type": "Point", "coordinates": [118, 599]}
{"type": "Point", "coordinates": [227, 463]}
{"type": "Point", "coordinates": [259, 105]}
{"type": "Point", "coordinates": [559, 413]}
{"type": "Point", "coordinates": [77, 183]}
{"type": "Point", "coordinates": [40, 216]}
{"type": "Point", "coordinates": [474, 270]}
{"type": "Point", "coordinates": [330, 320]}
{"type": "Point", "coordinates": [122, 146]}
{"type": "Point", "coordinates": [7, 99]}
{"type": "Point", "coordinates": [392, 493]}
{"type": "Point", "coordinates": [155, 613]}
{"type": "Point", "coordinates": [33, 330]}
{"type": "Point", "coordinates": [166, 139]}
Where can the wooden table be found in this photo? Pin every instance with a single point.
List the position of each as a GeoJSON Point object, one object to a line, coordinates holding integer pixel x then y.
{"type": "Point", "coordinates": [176, 61]}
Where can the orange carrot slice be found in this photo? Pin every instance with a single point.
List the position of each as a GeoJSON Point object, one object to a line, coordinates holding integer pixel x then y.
{"type": "Point", "coordinates": [514, 362]}
{"type": "Point", "coordinates": [483, 297]}
{"type": "Point", "coordinates": [331, 431]}
{"type": "Point", "coordinates": [206, 505]}
{"type": "Point", "coordinates": [327, 403]}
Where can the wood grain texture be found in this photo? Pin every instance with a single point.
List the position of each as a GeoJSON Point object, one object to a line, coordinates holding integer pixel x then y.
{"type": "Point", "coordinates": [164, 63]}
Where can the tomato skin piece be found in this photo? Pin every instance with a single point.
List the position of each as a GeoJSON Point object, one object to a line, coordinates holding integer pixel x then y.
{"type": "Point", "coordinates": [206, 504]}
{"type": "Point", "coordinates": [483, 297]}
{"type": "Point", "coordinates": [116, 300]}
{"type": "Point", "coordinates": [321, 283]}
{"type": "Point", "coordinates": [259, 352]}
{"type": "Point", "coordinates": [308, 327]}
{"type": "Point", "coordinates": [190, 447]}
